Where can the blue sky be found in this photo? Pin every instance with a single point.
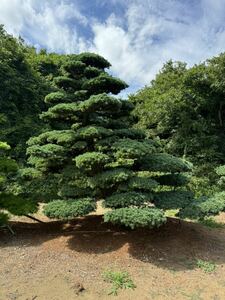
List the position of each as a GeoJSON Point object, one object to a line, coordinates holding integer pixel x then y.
{"type": "Point", "coordinates": [136, 36]}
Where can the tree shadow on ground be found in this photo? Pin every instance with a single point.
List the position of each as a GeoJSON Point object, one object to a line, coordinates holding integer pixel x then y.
{"type": "Point", "coordinates": [175, 246]}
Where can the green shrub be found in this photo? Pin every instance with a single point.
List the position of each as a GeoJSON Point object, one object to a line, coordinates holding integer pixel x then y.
{"type": "Point", "coordinates": [68, 209]}
{"type": "Point", "coordinates": [4, 218]}
{"type": "Point", "coordinates": [206, 266]}
{"type": "Point", "coordinates": [136, 217]}
{"type": "Point", "coordinates": [127, 199]}
{"type": "Point", "coordinates": [91, 161]}
{"type": "Point", "coordinates": [212, 223]}
{"type": "Point", "coordinates": [119, 280]}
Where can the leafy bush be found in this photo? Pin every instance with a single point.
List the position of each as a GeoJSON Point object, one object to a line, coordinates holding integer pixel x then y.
{"type": "Point", "coordinates": [204, 207]}
{"type": "Point", "coordinates": [4, 218]}
{"type": "Point", "coordinates": [10, 201]}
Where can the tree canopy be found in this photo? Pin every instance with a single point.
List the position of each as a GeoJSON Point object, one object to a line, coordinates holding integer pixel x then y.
{"type": "Point", "coordinates": [22, 91]}
{"type": "Point", "coordinates": [92, 152]}
{"type": "Point", "coordinates": [184, 107]}
{"type": "Point", "coordinates": [84, 145]}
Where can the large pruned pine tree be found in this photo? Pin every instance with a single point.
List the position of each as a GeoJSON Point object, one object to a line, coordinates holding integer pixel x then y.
{"type": "Point", "coordinates": [93, 153]}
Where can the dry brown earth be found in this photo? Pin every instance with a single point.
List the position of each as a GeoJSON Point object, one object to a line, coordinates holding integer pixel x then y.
{"type": "Point", "coordinates": [56, 260]}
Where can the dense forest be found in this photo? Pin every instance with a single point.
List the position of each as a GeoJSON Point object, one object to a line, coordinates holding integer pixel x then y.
{"type": "Point", "coordinates": [184, 108]}
{"type": "Point", "coordinates": [68, 140]}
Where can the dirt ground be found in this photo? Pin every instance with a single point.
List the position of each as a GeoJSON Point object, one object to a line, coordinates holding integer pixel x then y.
{"type": "Point", "coordinates": [65, 261]}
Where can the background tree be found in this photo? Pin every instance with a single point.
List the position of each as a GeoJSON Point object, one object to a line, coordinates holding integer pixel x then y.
{"type": "Point", "coordinates": [9, 202]}
{"type": "Point", "coordinates": [22, 92]}
{"type": "Point", "coordinates": [47, 65]}
{"type": "Point", "coordinates": [185, 109]}
{"type": "Point", "coordinates": [92, 153]}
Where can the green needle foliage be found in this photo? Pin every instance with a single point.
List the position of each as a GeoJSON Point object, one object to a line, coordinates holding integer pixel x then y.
{"type": "Point", "coordinates": [136, 217]}
{"type": "Point", "coordinates": [68, 209]}
{"type": "Point", "coordinates": [91, 152]}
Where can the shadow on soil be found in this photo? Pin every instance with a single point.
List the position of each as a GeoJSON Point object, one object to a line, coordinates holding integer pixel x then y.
{"type": "Point", "coordinates": [175, 246]}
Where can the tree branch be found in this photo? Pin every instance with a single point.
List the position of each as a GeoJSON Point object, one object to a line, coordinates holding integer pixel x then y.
{"type": "Point", "coordinates": [34, 219]}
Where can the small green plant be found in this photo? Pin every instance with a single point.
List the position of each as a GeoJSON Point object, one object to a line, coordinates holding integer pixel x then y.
{"type": "Point", "coordinates": [171, 213]}
{"type": "Point", "coordinates": [119, 280]}
{"type": "Point", "coordinates": [211, 223]}
{"type": "Point", "coordinates": [3, 219]}
{"type": "Point", "coordinates": [206, 266]}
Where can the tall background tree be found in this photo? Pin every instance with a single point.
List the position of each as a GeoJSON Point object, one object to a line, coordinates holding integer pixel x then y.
{"type": "Point", "coordinates": [22, 92]}
{"type": "Point", "coordinates": [185, 109]}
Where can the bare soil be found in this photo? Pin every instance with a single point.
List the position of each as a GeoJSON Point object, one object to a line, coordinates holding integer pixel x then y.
{"type": "Point", "coordinates": [65, 261]}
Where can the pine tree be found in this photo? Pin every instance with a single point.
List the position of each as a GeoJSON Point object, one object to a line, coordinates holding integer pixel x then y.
{"type": "Point", "coordinates": [93, 153]}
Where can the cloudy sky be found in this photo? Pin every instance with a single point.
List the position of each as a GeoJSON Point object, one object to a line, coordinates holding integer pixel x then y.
{"type": "Point", "coordinates": [136, 36]}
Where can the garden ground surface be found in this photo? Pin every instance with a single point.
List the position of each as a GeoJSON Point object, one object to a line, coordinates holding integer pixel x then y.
{"type": "Point", "coordinates": [65, 261]}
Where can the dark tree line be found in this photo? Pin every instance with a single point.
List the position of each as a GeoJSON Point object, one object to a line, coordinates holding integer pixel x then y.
{"type": "Point", "coordinates": [185, 108]}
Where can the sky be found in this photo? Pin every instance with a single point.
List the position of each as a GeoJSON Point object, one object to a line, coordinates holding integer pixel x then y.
{"type": "Point", "coordinates": [136, 36]}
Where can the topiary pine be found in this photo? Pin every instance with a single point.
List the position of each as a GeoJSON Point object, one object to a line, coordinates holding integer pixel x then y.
{"type": "Point", "coordinates": [93, 153]}
{"type": "Point", "coordinates": [9, 202]}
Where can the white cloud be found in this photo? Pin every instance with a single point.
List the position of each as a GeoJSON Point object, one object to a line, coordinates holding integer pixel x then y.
{"type": "Point", "coordinates": [137, 43]}
{"type": "Point", "coordinates": [45, 23]}
{"type": "Point", "coordinates": [114, 44]}
{"type": "Point", "coordinates": [157, 31]}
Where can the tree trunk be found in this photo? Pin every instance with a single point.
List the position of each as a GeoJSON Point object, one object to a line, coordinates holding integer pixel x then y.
{"type": "Point", "coordinates": [34, 219]}
{"type": "Point", "coordinates": [220, 114]}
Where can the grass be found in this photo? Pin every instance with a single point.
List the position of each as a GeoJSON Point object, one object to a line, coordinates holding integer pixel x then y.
{"type": "Point", "coordinates": [206, 266]}
{"type": "Point", "coordinates": [196, 295]}
{"type": "Point", "coordinates": [171, 213]}
{"type": "Point", "coordinates": [211, 223]}
{"type": "Point", "coordinates": [119, 280]}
